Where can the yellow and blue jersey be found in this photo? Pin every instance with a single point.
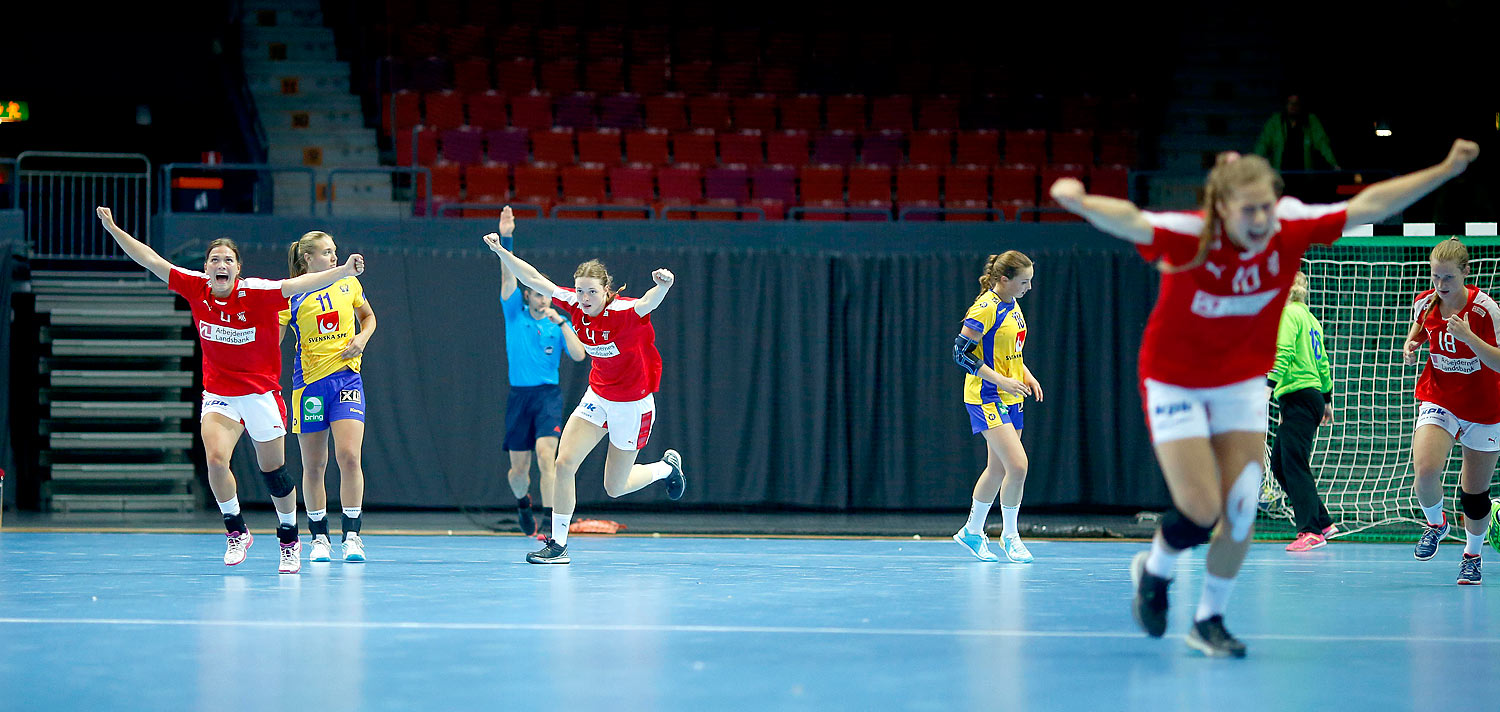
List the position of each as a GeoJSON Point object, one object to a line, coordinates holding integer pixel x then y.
{"type": "Point", "coordinates": [1002, 335]}
{"type": "Point", "coordinates": [323, 325]}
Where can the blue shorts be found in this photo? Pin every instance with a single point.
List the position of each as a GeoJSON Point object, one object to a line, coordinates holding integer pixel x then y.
{"type": "Point", "coordinates": [985, 416]}
{"type": "Point", "coordinates": [532, 412]}
{"type": "Point", "coordinates": [337, 396]}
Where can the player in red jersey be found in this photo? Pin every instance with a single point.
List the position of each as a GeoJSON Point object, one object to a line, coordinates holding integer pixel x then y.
{"type": "Point", "coordinates": [238, 327]}
{"type": "Point", "coordinates": [624, 373]}
{"type": "Point", "coordinates": [1211, 339]}
{"type": "Point", "coordinates": [1459, 398]}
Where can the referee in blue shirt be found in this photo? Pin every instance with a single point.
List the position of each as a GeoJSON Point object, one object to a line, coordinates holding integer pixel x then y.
{"type": "Point", "coordinates": [535, 336]}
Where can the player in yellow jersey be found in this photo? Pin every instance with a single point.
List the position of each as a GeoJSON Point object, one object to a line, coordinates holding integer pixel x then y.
{"type": "Point", "coordinates": [327, 391]}
{"type": "Point", "coordinates": [988, 348]}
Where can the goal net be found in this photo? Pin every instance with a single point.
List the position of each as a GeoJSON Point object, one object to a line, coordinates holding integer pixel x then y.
{"type": "Point", "coordinates": [1362, 291]}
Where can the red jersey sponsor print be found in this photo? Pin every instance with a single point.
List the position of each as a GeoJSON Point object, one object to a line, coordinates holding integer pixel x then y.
{"type": "Point", "coordinates": [328, 322]}
{"type": "Point", "coordinates": [625, 365]}
{"type": "Point", "coordinates": [1216, 324]}
{"type": "Point", "coordinates": [1453, 377]}
{"type": "Point", "coordinates": [241, 356]}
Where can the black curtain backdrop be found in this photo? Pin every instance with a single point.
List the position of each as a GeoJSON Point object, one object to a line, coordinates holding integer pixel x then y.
{"type": "Point", "coordinates": [795, 374]}
{"type": "Point", "coordinates": [11, 261]}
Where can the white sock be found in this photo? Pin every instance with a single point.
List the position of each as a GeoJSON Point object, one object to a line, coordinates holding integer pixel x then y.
{"type": "Point", "coordinates": [317, 515]}
{"type": "Point", "coordinates": [1474, 543]}
{"type": "Point", "coordinates": [1008, 516]}
{"type": "Point", "coordinates": [353, 512]}
{"type": "Point", "coordinates": [1161, 562]}
{"type": "Point", "coordinates": [660, 470]}
{"type": "Point", "coordinates": [230, 508]}
{"type": "Point", "coordinates": [560, 524]}
{"type": "Point", "coordinates": [978, 512]}
{"type": "Point", "coordinates": [1434, 513]}
{"type": "Point", "coordinates": [287, 519]}
{"type": "Point", "coordinates": [1215, 596]}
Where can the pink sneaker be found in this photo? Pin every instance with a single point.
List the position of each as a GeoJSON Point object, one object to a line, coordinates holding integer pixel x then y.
{"type": "Point", "coordinates": [1330, 530]}
{"type": "Point", "coordinates": [1307, 541]}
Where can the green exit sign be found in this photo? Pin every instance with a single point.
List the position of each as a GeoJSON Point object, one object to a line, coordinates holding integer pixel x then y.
{"type": "Point", "coordinates": [12, 111]}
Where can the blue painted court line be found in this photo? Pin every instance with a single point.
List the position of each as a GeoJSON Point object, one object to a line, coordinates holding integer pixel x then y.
{"type": "Point", "coordinates": [155, 621]}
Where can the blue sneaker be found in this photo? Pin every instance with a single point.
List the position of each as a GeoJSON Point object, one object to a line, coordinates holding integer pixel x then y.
{"type": "Point", "coordinates": [1015, 550]}
{"type": "Point", "coordinates": [1468, 570]}
{"type": "Point", "coordinates": [676, 482]}
{"type": "Point", "coordinates": [977, 544]}
{"type": "Point", "coordinates": [1427, 546]}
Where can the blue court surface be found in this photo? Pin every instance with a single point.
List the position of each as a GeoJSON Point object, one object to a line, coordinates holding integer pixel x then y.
{"type": "Point", "coordinates": [157, 622]}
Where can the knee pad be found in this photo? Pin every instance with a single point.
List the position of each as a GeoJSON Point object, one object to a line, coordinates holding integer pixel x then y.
{"type": "Point", "coordinates": [279, 482]}
{"type": "Point", "coordinates": [1244, 496]}
{"type": "Point", "coordinates": [1476, 506]}
{"type": "Point", "coordinates": [1182, 533]}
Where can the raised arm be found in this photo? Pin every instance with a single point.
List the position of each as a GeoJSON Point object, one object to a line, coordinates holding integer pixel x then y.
{"type": "Point", "coordinates": [1393, 195]}
{"type": "Point", "coordinates": [313, 281]}
{"type": "Point", "coordinates": [137, 250]}
{"type": "Point", "coordinates": [522, 271]}
{"type": "Point", "coordinates": [653, 296]}
{"type": "Point", "coordinates": [1117, 217]}
{"type": "Point", "coordinates": [507, 229]}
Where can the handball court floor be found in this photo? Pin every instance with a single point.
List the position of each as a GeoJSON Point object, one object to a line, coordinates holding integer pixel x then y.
{"type": "Point", "coordinates": [153, 621]}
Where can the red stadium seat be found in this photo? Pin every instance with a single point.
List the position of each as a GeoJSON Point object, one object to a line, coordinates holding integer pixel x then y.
{"type": "Point", "coordinates": [967, 183]}
{"type": "Point", "coordinates": [447, 181]}
{"type": "Point", "coordinates": [755, 112]}
{"type": "Point", "coordinates": [1113, 181]}
{"type": "Point", "coordinates": [667, 111]}
{"type": "Point", "coordinates": [869, 184]}
{"type": "Point", "coordinates": [531, 111]}
{"type": "Point", "coordinates": [635, 181]}
{"type": "Point", "coordinates": [444, 110]}
{"type": "Point", "coordinates": [488, 178]}
{"type": "Point", "coordinates": [601, 146]}
{"type": "Point", "coordinates": [649, 78]}
{"type": "Point", "coordinates": [426, 140]}
{"type": "Point", "coordinates": [709, 112]}
{"type": "Point", "coordinates": [1026, 146]}
{"type": "Point", "coordinates": [981, 147]}
{"type": "Point", "coordinates": [696, 146]}
{"type": "Point", "coordinates": [693, 77]}
{"type": "Point", "coordinates": [891, 112]}
{"type": "Point", "coordinates": [584, 181]}
{"type": "Point", "coordinates": [471, 75]}
{"type": "Point", "coordinates": [408, 112]}
{"type": "Point", "coordinates": [536, 180]}
{"type": "Point", "coordinates": [938, 112]}
{"type": "Point", "coordinates": [516, 75]}
{"type": "Point", "coordinates": [803, 112]}
{"type": "Point", "coordinates": [790, 147]}
{"type": "Point", "coordinates": [916, 184]}
{"type": "Point", "coordinates": [1075, 146]}
{"type": "Point", "coordinates": [604, 76]}
{"type": "Point", "coordinates": [560, 76]}
{"type": "Point", "coordinates": [487, 110]}
{"type": "Point", "coordinates": [648, 146]}
{"type": "Point", "coordinates": [822, 183]}
{"type": "Point", "coordinates": [683, 182]}
{"type": "Point", "coordinates": [554, 145]}
{"type": "Point", "coordinates": [933, 147]}
{"type": "Point", "coordinates": [745, 147]}
{"type": "Point", "coordinates": [1015, 182]}
{"type": "Point", "coordinates": [847, 112]}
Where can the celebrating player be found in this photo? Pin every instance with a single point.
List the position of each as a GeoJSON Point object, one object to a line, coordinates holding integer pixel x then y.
{"type": "Point", "coordinates": [327, 390]}
{"type": "Point", "coordinates": [1459, 394]}
{"type": "Point", "coordinates": [988, 348]}
{"type": "Point", "coordinates": [237, 326]}
{"type": "Point", "coordinates": [624, 374]}
{"type": "Point", "coordinates": [1211, 339]}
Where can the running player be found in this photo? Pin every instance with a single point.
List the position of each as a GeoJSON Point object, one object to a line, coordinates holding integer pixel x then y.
{"type": "Point", "coordinates": [624, 375]}
{"type": "Point", "coordinates": [1459, 398]}
{"type": "Point", "coordinates": [328, 393]}
{"type": "Point", "coordinates": [1209, 343]}
{"type": "Point", "coordinates": [988, 348]}
{"type": "Point", "coordinates": [535, 335]}
{"type": "Point", "coordinates": [237, 326]}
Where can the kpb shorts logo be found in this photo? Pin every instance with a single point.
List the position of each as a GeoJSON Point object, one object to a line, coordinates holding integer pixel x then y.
{"type": "Point", "coordinates": [1172, 409]}
{"type": "Point", "coordinates": [590, 407]}
{"type": "Point", "coordinates": [349, 396]}
{"type": "Point", "coordinates": [312, 409]}
{"type": "Point", "coordinates": [215, 403]}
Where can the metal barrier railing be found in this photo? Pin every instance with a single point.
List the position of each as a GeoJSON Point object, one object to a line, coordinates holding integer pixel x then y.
{"type": "Point", "coordinates": [645, 210]}
{"type": "Point", "coordinates": [693, 210]}
{"type": "Point", "coordinates": [801, 213]}
{"type": "Point", "coordinates": [1040, 211]}
{"type": "Point", "coordinates": [413, 172]}
{"type": "Point", "coordinates": [446, 208]}
{"type": "Point", "coordinates": [941, 214]}
{"type": "Point", "coordinates": [59, 190]}
{"type": "Point", "coordinates": [259, 197]}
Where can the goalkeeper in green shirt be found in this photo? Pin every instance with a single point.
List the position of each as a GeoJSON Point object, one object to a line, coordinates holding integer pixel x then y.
{"type": "Point", "coordinates": [1304, 391]}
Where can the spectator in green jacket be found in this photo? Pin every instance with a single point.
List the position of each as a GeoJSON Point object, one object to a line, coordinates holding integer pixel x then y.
{"type": "Point", "coordinates": [1291, 136]}
{"type": "Point", "coordinates": [1303, 388]}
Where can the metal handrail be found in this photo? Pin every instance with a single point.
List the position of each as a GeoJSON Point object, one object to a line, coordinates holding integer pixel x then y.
{"type": "Point", "coordinates": [799, 211]}
{"type": "Point", "coordinates": [78, 233]}
{"type": "Point", "coordinates": [383, 170]}
{"type": "Point", "coordinates": [738, 210]}
{"type": "Point", "coordinates": [165, 204]}
{"type": "Point", "coordinates": [445, 208]}
{"type": "Point", "coordinates": [1039, 210]}
{"type": "Point", "coordinates": [596, 208]}
{"type": "Point", "coordinates": [943, 212]}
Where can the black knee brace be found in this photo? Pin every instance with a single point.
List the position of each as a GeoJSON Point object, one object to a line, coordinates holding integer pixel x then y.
{"type": "Point", "coordinates": [279, 482]}
{"type": "Point", "coordinates": [1476, 506]}
{"type": "Point", "coordinates": [1182, 533]}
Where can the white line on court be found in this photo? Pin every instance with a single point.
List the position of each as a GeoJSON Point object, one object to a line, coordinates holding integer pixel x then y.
{"type": "Point", "coordinates": [736, 630]}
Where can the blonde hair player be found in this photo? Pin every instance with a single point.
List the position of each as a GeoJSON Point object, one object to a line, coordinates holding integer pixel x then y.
{"type": "Point", "coordinates": [328, 393]}
{"type": "Point", "coordinates": [988, 349]}
{"type": "Point", "coordinates": [623, 377]}
{"type": "Point", "coordinates": [237, 327]}
{"type": "Point", "coordinates": [1459, 399]}
{"type": "Point", "coordinates": [1211, 338]}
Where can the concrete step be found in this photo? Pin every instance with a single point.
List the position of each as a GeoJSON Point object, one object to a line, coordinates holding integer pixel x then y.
{"type": "Point", "coordinates": [343, 103]}
{"type": "Point", "coordinates": [83, 378]}
{"type": "Point", "coordinates": [336, 138]}
{"type": "Point", "coordinates": [67, 503]}
{"type": "Point", "coordinates": [121, 410]}
{"type": "Point", "coordinates": [117, 348]}
{"type": "Point", "coordinates": [309, 16]}
{"type": "Point", "coordinates": [325, 157]}
{"type": "Point", "coordinates": [315, 47]}
{"type": "Point", "coordinates": [119, 317]}
{"type": "Point", "coordinates": [312, 120]}
{"type": "Point", "coordinates": [127, 473]}
{"type": "Point", "coordinates": [145, 300]}
{"type": "Point", "coordinates": [120, 441]}
{"type": "Point", "coordinates": [316, 86]}
{"type": "Point", "coordinates": [288, 35]}
{"type": "Point", "coordinates": [114, 287]}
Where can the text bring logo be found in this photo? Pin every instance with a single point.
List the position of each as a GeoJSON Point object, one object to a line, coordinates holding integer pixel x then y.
{"type": "Point", "coordinates": [312, 409]}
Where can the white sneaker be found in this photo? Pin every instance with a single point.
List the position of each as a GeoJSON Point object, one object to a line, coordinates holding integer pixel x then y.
{"type": "Point", "coordinates": [239, 543]}
{"type": "Point", "coordinates": [1015, 550]}
{"type": "Point", "coordinates": [291, 558]}
{"type": "Point", "coordinates": [322, 550]}
{"type": "Point", "coordinates": [354, 548]}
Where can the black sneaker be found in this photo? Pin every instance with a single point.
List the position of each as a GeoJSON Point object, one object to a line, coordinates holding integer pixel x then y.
{"type": "Point", "coordinates": [1427, 544]}
{"type": "Point", "coordinates": [1468, 570]}
{"type": "Point", "coordinates": [552, 553]}
{"type": "Point", "coordinates": [676, 482]}
{"type": "Point", "coordinates": [1150, 605]}
{"type": "Point", "coordinates": [525, 520]}
{"type": "Point", "coordinates": [1211, 638]}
